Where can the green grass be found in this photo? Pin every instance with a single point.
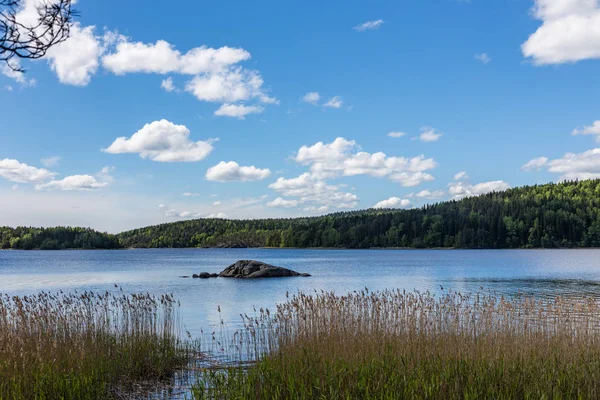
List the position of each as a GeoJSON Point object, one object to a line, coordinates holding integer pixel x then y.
{"type": "Point", "coordinates": [86, 346]}
{"type": "Point", "coordinates": [396, 345]}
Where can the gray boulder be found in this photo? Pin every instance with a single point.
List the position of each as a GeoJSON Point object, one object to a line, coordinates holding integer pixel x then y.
{"type": "Point", "coordinates": [250, 269]}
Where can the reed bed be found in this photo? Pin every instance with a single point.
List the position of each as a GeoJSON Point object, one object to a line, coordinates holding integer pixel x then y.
{"type": "Point", "coordinates": [86, 345]}
{"type": "Point", "coordinates": [399, 345]}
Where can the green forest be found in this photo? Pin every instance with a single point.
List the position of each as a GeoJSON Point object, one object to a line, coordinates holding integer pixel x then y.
{"type": "Point", "coordinates": [564, 215]}
{"type": "Point", "coordinates": [58, 238]}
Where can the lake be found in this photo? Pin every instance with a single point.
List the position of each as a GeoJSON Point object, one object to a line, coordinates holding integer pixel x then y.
{"type": "Point", "coordinates": [533, 272]}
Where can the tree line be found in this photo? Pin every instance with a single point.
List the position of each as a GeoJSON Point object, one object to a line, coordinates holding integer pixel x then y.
{"type": "Point", "coordinates": [542, 216]}
{"type": "Point", "coordinates": [58, 238]}
{"type": "Point", "coordinates": [563, 215]}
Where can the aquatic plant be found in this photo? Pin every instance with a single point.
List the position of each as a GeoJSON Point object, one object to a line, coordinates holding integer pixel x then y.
{"type": "Point", "coordinates": [395, 344]}
{"type": "Point", "coordinates": [86, 345]}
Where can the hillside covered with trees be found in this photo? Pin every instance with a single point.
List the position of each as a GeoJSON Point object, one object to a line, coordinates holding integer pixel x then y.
{"type": "Point", "coordinates": [56, 238]}
{"type": "Point", "coordinates": [544, 216]}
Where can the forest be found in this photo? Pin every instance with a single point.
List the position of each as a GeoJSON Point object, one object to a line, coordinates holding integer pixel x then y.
{"type": "Point", "coordinates": [563, 215]}
{"type": "Point", "coordinates": [58, 238]}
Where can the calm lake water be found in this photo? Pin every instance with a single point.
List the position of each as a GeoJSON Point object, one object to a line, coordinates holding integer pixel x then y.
{"type": "Point", "coordinates": [534, 272]}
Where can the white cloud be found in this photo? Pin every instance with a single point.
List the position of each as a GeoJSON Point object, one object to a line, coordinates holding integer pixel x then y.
{"type": "Point", "coordinates": [535, 164]}
{"type": "Point", "coordinates": [569, 32]}
{"type": "Point", "coordinates": [190, 194]}
{"type": "Point", "coordinates": [410, 179]}
{"type": "Point", "coordinates": [311, 98]}
{"type": "Point", "coordinates": [572, 166]}
{"type": "Point", "coordinates": [334, 102]}
{"type": "Point", "coordinates": [283, 203]}
{"type": "Point", "coordinates": [232, 171]}
{"type": "Point", "coordinates": [162, 58]}
{"type": "Point", "coordinates": [229, 86]}
{"type": "Point", "coordinates": [338, 158]}
{"type": "Point", "coordinates": [15, 171]}
{"type": "Point", "coordinates": [50, 161]}
{"type": "Point", "coordinates": [312, 190]}
{"type": "Point", "coordinates": [464, 189]}
{"type": "Point", "coordinates": [237, 111]}
{"type": "Point", "coordinates": [462, 175]}
{"type": "Point", "coordinates": [162, 141]}
{"type": "Point", "coordinates": [593, 129]}
{"type": "Point", "coordinates": [430, 134]}
{"type": "Point", "coordinates": [74, 182]}
{"type": "Point", "coordinates": [173, 213]}
{"type": "Point", "coordinates": [369, 25]}
{"type": "Point", "coordinates": [426, 194]}
{"type": "Point", "coordinates": [393, 202]}
{"type": "Point", "coordinates": [168, 85]}
{"type": "Point", "coordinates": [483, 57]}
{"type": "Point", "coordinates": [396, 134]}
{"type": "Point", "coordinates": [217, 76]}
{"type": "Point", "coordinates": [76, 59]}
{"type": "Point", "coordinates": [11, 70]}
{"type": "Point", "coordinates": [217, 215]}
{"type": "Point", "coordinates": [217, 203]}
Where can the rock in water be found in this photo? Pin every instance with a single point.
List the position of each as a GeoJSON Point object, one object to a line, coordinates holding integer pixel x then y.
{"type": "Point", "coordinates": [256, 269]}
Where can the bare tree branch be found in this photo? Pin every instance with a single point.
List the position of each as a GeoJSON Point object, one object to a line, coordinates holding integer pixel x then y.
{"type": "Point", "coordinates": [32, 39]}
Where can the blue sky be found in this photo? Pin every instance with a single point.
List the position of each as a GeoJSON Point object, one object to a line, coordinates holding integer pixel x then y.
{"type": "Point", "coordinates": [271, 109]}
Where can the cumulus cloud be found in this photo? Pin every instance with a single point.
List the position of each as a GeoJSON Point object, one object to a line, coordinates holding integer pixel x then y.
{"type": "Point", "coordinates": [483, 57]}
{"type": "Point", "coordinates": [593, 129]}
{"type": "Point", "coordinates": [426, 194]}
{"type": "Point", "coordinates": [340, 158]}
{"type": "Point", "coordinates": [334, 102]}
{"type": "Point", "coordinates": [315, 192]}
{"type": "Point", "coordinates": [217, 216]}
{"type": "Point", "coordinates": [162, 141]}
{"type": "Point", "coordinates": [463, 189]}
{"type": "Point", "coordinates": [233, 85]}
{"type": "Point", "coordinates": [162, 58]}
{"type": "Point", "coordinates": [283, 203]}
{"type": "Point", "coordinates": [572, 166]}
{"type": "Point", "coordinates": [393, 202]}
{"type": "Point", "coordinates": [237, 111]}
{"type": "Point", "coordinates": [16, 171]}
{"type": "Point", "coordinates": [569, 32]}
{"type": "Point", "coordinates": [74, 182]}
{"type": "Point", "coordinates": [429, 134]}
{"type": "Point", "coordinates": [76, 59]}
{"type": "Point", "coordinates": [11, 69]}
{"type": "Point", "coordinates": [396, 134]}
{"type": "Point", "coordinates": [232, 171]}
{"type": "Point", "coordinates": [311, 98]}
{"type": "Point", "coordinates": [168, 85]}
{"type": "Point", "coordinates": [216, 72]}
{"type": "Point", "coordinates": [369, 25]}
{"type": "Point", "coordinates": [535, 164]}
{"type": "Point", "coordinates": [217, 203]}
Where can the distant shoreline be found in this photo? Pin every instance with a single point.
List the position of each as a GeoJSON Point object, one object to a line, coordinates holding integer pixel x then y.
{"type": "Point", "coordinates": [307, 248]}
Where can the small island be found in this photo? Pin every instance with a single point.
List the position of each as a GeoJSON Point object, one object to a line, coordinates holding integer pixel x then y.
{"type": "Point", "coordinates": [251, 269]}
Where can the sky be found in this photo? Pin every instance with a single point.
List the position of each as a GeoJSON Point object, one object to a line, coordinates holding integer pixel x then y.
{"type": "Point", "coordinates": [263, 109]}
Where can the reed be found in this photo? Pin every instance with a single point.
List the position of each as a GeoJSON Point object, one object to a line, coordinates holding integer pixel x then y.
{"type": "Point", "coordinates": [86, 345]}
{"type": "Point", "coordinates": [399, 345]}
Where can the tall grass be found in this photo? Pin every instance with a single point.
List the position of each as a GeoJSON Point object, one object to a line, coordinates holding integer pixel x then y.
{"type": "Point", "coordinates": [86, 346]}
{"type": "Point", "coordinates": [398, 345]}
